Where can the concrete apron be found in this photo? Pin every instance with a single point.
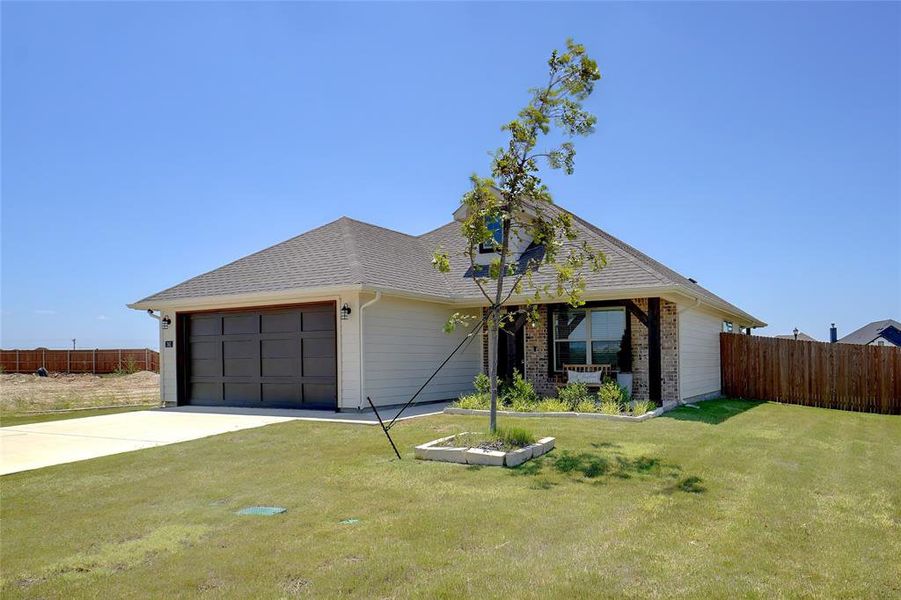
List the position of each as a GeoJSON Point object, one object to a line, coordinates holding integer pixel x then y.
{"type": "Point", "coordinates": [26, 447]}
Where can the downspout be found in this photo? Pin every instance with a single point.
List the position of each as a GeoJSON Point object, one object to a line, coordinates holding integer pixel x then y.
{"type": "Point", "coordinates": [378, 296]}
{"type": "Point", "coordinates": [160, 330]}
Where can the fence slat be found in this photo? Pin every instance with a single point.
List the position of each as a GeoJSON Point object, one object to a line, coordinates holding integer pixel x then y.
{"type": "Point", "coordinates": [844, 376]}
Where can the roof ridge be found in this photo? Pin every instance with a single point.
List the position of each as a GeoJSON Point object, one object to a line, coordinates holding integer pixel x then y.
{"type": "Point", "coordinates": [350, 246]}
{"type": "Point", "coordinates": [383, 228]}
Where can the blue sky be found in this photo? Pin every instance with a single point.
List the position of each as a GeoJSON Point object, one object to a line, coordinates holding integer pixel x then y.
{"type": "Point", "coordinates": [753, 147]}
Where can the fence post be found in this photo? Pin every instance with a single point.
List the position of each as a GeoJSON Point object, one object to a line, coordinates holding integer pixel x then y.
{"type": "Point", "coordinates": [68, 361]}
{"type": "Point", "coordinates": [119, 366]}
{"type": "Point", "coordinates": [44, 359]}
{"type": "Point", "coordinates": [94, 361]}
{"type": "Point", "coordinates": [17, 361]}
{"type": "Point", "coordinates": [146, 359]}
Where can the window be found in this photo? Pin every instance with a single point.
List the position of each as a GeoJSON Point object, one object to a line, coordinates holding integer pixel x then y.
{"type": "Point", "coordinates": [570, 338]}
{"type": "Point", "coordinates": [727, 326]}
{"type": "Point", "coordinates": [607, 329]}
{"type": "Point", "coordinates": [588, 336]}
{"type": "Point", "coordinates": [496, 227]}
{"type": "Point", "coordinates": [880, 343]}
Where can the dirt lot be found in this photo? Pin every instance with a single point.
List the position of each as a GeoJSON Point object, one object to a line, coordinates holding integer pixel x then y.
{"type": "Point", "coordinates": [27, 393]}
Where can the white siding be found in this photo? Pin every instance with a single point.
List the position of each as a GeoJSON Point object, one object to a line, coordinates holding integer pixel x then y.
{"type": "Point", "coordinates": [168, 381]}
{"type": "Point", "coordinates": [403, 343]}
{"type": "Point", "coordinates": [349, 354]}
{"type": "Point", "coordinates": [699, 353]}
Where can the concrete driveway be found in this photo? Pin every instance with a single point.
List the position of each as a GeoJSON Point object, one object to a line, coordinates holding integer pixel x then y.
{"type": "Point", "coordinates": [26, 447]}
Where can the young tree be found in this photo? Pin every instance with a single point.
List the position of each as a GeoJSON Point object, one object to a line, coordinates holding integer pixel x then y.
{"type": "Point", "coordinates": [512, 206]}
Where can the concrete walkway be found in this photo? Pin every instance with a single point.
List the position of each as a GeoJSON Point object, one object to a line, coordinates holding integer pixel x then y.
{"type": "Point", "coordinates": [26, 447]}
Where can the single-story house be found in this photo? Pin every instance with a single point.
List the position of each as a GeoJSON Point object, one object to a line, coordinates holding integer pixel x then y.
{"type": "Point", "coordinates": [350, 310]}
{"type": "Point", "coordinates": [886, 332]}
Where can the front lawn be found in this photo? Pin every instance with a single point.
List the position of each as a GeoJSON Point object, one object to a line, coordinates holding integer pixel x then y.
{"type": "Point", "coordinates": [734, 499]}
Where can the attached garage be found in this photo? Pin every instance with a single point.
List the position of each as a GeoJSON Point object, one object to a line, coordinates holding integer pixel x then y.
{"type": "Point", "coordinates": [282, 357]}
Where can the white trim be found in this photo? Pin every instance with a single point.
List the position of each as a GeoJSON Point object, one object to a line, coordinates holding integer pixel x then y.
{"type": "Point", "coordinates": [673, 293]}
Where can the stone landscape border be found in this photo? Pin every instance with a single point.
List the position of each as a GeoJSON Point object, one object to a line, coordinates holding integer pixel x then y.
{"type": "Point", "coordinates": [512, 413]}
{"type": "Point", "coordinates": [476, 456]}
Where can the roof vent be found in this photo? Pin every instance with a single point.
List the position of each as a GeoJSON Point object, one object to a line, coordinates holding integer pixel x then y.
{"type": "Point", "coordinates": [692, 280]}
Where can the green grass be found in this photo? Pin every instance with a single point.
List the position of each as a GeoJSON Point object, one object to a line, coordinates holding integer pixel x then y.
{"type": "Point", "coordinates": [18, 419]}
{"type": "Point", "coordinates": [734, 499]}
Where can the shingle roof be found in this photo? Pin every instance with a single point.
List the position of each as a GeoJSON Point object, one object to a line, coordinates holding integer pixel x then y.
{"type": "Point", "coordinates": [802, 337]}
{"type": "Point", "coordinates": [350, 252]}
{"type": "Point", "coordinates": [626, 266]}
{"type": "Point", "coordinates": [868, 332]}
{"type": "Point", "coordinates": [343, 252]}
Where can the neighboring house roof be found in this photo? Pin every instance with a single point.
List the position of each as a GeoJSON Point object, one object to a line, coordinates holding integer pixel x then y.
{"type": "Point", "coordinates": [801, 337]}
{"type": "Point", "coordinates": [869, 332]}
{"type": "Point", "coordinates": [347, 252]}
{"type": "Point", "coordinates": [892, 334]}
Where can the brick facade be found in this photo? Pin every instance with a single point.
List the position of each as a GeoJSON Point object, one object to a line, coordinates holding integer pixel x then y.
{"type": "Point", "coordinates": [669, 351]}
{"type": "Point", "coordinates": [537, 359]}
{"type": "Point", "coordinates": [536, 355]}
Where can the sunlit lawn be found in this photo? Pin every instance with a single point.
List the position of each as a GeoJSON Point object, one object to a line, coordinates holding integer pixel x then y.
{"type": "Point", "coordinates": [731, 500]}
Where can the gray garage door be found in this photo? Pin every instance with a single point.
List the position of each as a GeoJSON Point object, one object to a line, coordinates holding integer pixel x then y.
{"type": "Point", "coordinates": [280, 358]}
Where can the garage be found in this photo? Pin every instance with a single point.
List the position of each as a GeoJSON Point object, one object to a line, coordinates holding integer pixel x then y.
{"type": "Point", "coordinates": [282, 357]}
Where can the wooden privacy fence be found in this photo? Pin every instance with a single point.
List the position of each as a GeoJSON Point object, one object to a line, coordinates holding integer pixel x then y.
{"type": "Point", "coordinates": [844, 376]}
{"type": "Point", "coordinates": [80, 361]}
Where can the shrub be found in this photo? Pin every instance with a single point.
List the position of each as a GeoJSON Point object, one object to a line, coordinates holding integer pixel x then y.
{"type": "Point", "coordinates": [552, 405]}
{"type": "Point", "coordinates": [611, 407]}
{"type": "Point", "coordinates": [523, 405]}
{"type": "Point", "coordinates": [473, 401]}
{"type": "Point", "coordinates": [612, 392]}
{"type": "Point", "coordinates": [640, 407]}
{"type": "Point", "coordinates": [482, 384]}
{"type": "Point", "coordinates": [586, 406]}
{"type": "Point", "coordinates": [515, 436]}
{"type": "Point", "coordinates": [572, 394]}
{"type": "Point", "coordinates": [520, 391]}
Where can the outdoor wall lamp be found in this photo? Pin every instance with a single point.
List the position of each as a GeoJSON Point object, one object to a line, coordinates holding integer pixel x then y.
{"type": "Point", "coordinates": [345, 311]}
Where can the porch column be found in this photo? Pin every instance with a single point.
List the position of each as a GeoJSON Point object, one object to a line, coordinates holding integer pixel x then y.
{"type": "Point", "coordinates": [654, 366]}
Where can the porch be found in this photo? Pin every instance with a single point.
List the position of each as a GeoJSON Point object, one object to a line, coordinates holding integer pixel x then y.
{"type": "Point", "coordinates": [637, 338]}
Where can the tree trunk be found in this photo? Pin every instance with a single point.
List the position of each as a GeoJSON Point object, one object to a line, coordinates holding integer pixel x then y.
{"type": "Point", "coordinates": [492, 369]}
